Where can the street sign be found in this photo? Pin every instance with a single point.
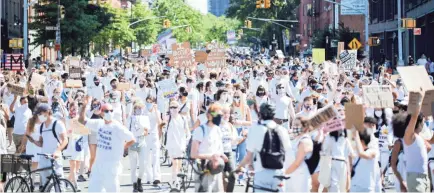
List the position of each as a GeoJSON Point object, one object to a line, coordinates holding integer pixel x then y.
{"type": "Point", "coordinates": [16, 43]}
{"type": "Point", "coordinates": [57, 47]}
{"type": "Point", "coordinates": [417, 31]}
{"type": "Point", "coordinates": [355, 44]}
{"type": "Point", "coordinates": [50, 28]}
{"type": "Point", "coordinates": [13, 62]}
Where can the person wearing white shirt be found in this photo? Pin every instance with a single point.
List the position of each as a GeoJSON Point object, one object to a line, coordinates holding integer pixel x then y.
{"type": "Point", "coordinates": [113, 139]}
{"type": "Point", "coordinates": [96, 89]}
{"type": "Point", "coordinates": [142, 92]}
{"type": "Point", "coordinates": [153, 141]}
{"type": "Point", "coordinates": [22, 115]}
{"type": "Point", "coordinates": [284, 107]}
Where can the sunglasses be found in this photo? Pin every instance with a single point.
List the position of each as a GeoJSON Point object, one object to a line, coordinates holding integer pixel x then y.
{"type": "Point", "coordinates": [107, 111]}
{"type": "Point", "coordinates": [281, 88]}
{"type": "Point", "coordinates": [215, 114]}
{"type": "Point", "coordinates": [173, 107]}
{"type": "Point", "coordinates": [236, 97]}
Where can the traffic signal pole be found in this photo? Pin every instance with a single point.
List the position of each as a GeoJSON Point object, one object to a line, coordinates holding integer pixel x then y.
{"type": "Point", "coordinates": [58, 40]}
{"type": "Point", "coordinates": [25, 32]}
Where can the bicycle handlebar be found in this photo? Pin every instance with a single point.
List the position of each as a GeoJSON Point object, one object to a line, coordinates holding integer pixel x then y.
{"type": "Point", "coordinates": [282, 177]}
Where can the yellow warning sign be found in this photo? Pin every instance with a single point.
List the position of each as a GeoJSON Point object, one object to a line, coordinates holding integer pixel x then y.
{"type": "Point", "coordinates": [355, 44]}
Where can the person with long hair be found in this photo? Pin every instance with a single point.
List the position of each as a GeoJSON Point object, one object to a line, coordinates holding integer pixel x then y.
{"type": "Point", "coordinates": [93, 113]}
{"type": "Point", "coordinates": [153, 141]}
{"type": "Point", "coordinates": [229, 138]}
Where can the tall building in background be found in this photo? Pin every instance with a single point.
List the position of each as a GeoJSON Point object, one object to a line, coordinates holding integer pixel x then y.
{"type": "Point", "coordinates": [200, 5]}
{"type": "Point", "coordinates": [218, 7]}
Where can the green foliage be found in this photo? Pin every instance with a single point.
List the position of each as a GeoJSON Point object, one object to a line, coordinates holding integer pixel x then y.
{"type": "Point", "coordinates": [145, 31]}
{"type": "Point", "coordinates": [343, 34]}
{"type": "Point", "coordinates": [216, 27]}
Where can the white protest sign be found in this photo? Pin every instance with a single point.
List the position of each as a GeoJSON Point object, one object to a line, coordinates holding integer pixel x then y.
{"type": "Point", "coordinates": [168, 88]}
{"type": "Point", "coordinates": [323, 115]}
{"type": "Point", "coordinates": [348, 59]}
{"type": "Point", "coordinates": [378, 96]}
{"type": "Point", "coordinates": [37, 80]}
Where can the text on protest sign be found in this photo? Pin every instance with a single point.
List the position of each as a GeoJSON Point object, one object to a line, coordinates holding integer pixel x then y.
{"type": "Point", "coordinates": [413, 102]}
{"type": "Point", "coordinates": [348, 59]}
{"type": "Point", "coordinates": [378, 96]}
{"type": "Point", "coordinates": [168, 88]}
{"type": "Point", "coordinates": [16, 89]}
{"type": "Point", "coordinates": [123, 86]}
{"type": "Point", "coordinates": [216, 58]}
{"type": "Point", "coordinates": [181, 55]}
{"type": "Point", "coordinates": [78, 128]}
{"type": "Point", "coordinates": [37, 80]}
{"type": "Point", "coordinates": [323, 115]}
{"type": "Point", "coordinates": [335, 124]}
{"type": "Point", "coordinates": [74, 73]}
{"type": "Point", "coordinates": [427, 101]}
{"type": "Point", "coordinates": [71, 83]}
{"type": "Point", "coordinates": [354, 116]}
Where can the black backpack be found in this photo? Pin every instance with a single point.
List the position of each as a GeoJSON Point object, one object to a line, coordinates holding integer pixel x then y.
{"type": "Point", "coordinates": [54, 133]}
{"type": "Point", "coordinates": [272, 153]}
{"type": "Point", "coordinates": [313, 161]}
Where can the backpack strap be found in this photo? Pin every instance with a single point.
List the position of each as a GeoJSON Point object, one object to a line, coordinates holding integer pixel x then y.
{"type": "Point", "coordinates": [54, 131]}
{"type": "Point", "coordinates": [182, 108]}
{"type": "Point", "coordinates": [40, 128]}
{"type": "Point", "coordinates": [203, 129]}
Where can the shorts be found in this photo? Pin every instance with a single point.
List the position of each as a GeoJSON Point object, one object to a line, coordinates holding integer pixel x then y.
{"type": "Point", "coordinates": [174, 153]}
{"type": "Point", "coordinates": [92, 138]}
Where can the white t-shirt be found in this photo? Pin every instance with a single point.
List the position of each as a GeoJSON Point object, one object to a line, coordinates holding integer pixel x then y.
{"type": "Point", "coordinates": [137, 124]}
{"type": "Point", "coordinates": [365, 172]}
{"type": "Point", "coordinates": [50, 142]}
{"type": "Point", "coordinates": [22, 115]}
{"type": "Point", "coordinates": [229, 136]}
{"type": "Point", "coordinates": [255, 140]}
{"type": "Point", "coordinates": [111, 140]}
{"type": "Point", "coordinates": [177, 133]}
{"type": "Point", "coordinates": [210, 141]}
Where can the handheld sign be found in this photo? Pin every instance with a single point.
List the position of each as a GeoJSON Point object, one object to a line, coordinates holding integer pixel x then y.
{"type": "Point", "coordinates": [348, 59]}
{"type": "Point", "coordinates": [16, 89]}
{"type": "Point", "coordinates": [378, 96]}
{"type": "Point", "coordinates": [216, 58]}
{"type": "Point", "coordinates": [181, 55]}
{"type": "Point", "coordinates": [75, 73]}
{"type": "Point", "coordinates": [123, 86]}
{"type": "Point", "coordinates": [78, 128]}
{"type": "Point", "coordinates": [335, 124]}
{"type": "Point", "coordinates": [73, 83]}
{"type": "Point", "coordinates": [323, 115]}
{"type": "Point", "coordinates": [37, 80]}
{"type": "Point", "coordinates": [168, 88]}
{"type": "Point", "coordinates": [427, 101]}
{"type": "Point", "coordinates": [354, 116]}
{"type": "Point", "coordinates": [414, 101]}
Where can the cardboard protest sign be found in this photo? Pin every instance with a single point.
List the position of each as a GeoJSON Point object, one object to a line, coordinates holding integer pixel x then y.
{"type": "Point", "coordinates": [341, 46]}
{"type": "Point", "coordinates": [432, 108]}
{"type": "Point", "coordinates": [378, 96]}
{"type": "Point", "coordinates": [354, 116]}
{"type": "Point", "coordinates": [318, 55]}
{"type": "Point", "coordinates": [70, 83]}
{"type": "Point", "coordinates": [427, 101]}
{"type": "Point", "coordinates": [415, 77]}
{"type": "Point", "coordinates": [78, 128]}
{"type": "Point", "coordinates": [181, 55]}
{"type": "Point", "coordinates": [74, 61]}
{"type": "Point", "coordinates": [123, 86]}
{"type": "Point", "coordinates": [16, 89]}
{"type": "Point", "coordinates": [74, 73]}
{"type": "Point", "coordinates": [333, 125]}
{"type": "Point", "coordinates": [168, 88]}
{"type": "Point", "coordinates": [323, 115]}
{"type": "Point", "coordinates": [216, 58]}
{"type": "Point", "coordinates": [413, 102]}
{"type": "Point", "coordinates": [43, 99]}
{"type": "Point", "coordinates": [348, 59]}
{"type": "Point", "coordinates": [145, 52]}
{"type": "Point", "coordinates": [200, 56]}
{"type": "Point", "coordinates": [394, 77]}
{"type": "Point", "coordinates": [37, 80]}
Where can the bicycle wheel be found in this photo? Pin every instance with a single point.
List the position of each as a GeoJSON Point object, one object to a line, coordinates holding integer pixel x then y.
{"type": "Point", "coordinates": [64, 185]}
{"type": "Point", "coordinates": [17, 184]}
{"type": "Point", "coordinates": [189, 179]}
{"type": "Point", "coordinates": [163, 155]}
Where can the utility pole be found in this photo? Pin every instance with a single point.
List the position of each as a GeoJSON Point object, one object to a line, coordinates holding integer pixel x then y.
{"type": "Point", "coordinates": [25, 32]}
{"type": "Point", "coordinates": [367, 28]}
{"type": "Point", "coordinates": [400, 61]}
{"type": "Point", "coordinates": [58, 40]}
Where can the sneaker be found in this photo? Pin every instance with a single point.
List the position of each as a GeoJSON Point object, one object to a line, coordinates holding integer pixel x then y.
{"type": "Point", "coordinates": [81, 178]}
{"type": "Point", "coordinates": [156, 182]}
{"type": "Point", "coordinates": [77, 188]}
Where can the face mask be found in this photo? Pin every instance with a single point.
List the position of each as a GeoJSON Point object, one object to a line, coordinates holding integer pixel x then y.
{"type": "Point", "coordinates": [173, 111]}
{"type": "Point", "coordinates": [42, 118]}
{"type": "Point", "coordinates": [25, 105]}
{"type": "Point", "coordinates": [308, 108]}
{"type": "Point", "coordinates": [237, 100]}
{"type": "Point", "coordinates": [378, 113]}
{"type": "Point", "coordinates": [108, 116]}
{"type": "Point", "coordinates": [114, 86]}
{"type": "Point", "coordinates": [96, 83]}
{"type": "Point", "coordinates": [278, 77]}
{"type": "Point", "coordinates": [141, 85]}
{"type": "Point", "coordinates": [260, 94]}
{"type": "Point", "coordinates": [281, 91]}
{"type": "Point", "coordinates": [138, 111]}
{"type": "Point", "coordinates": [370, 131]}
{"type": "Point", "coordinates": [224, 97]}
{"type": "Point", "coordinates": [395, 111]}
{"type": "Point", "coordinates": [55, 106]}
{"type": "Point", "coordinates": [217, 120]}
{"type": "Point", "coordinates": [149, 106]}
{"type": "Point", "coordinates": [185, 94]}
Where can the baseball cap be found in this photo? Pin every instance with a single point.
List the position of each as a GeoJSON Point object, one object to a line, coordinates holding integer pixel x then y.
{"type": "Point", "coordinates": [42, 108]}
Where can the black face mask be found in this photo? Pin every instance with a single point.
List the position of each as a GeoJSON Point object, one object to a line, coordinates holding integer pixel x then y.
{"type": "Point", "coordinates": [261, 93]}
{"type": "Point", "coordinates": [395, 111]}
{"type": "Point", "coordinates": [185, 94]}
{"type": "Point", "coordinates": [96, 83]}
{"type": "Point", "coordinates": [141, 85]}
{"type": "Point", "coordinates": [53, 70]}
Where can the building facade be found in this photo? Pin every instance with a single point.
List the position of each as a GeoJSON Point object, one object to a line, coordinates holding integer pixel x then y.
{"type": "Point", "coordinates": [200, 5]}
{"type": "Point", "coordinates": [384, 24]}
{"type": "Point", "coordinates": [11, 22]}
{"type": "Point", "coordinates": [317, 15]}
{"type": "Point", "coordinates": [218, 7]}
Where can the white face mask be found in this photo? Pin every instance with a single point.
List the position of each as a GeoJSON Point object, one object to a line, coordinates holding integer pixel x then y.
{"type": "Point", "coordinates": [224, 97]}
{"type": "Point", "coordinates": [173, 111]}
{"type": "Point", "coordinates": [378, 113]}
{"type": "Point", "coordinates": [108, 116]}
{"type": "Point", "coordinates": [42, 118]}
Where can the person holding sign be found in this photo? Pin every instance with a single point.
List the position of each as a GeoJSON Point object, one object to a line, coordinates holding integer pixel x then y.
{"type": "Point", "coordinates": [153, 143]}
{"type": "Point", "coordinates": [22, 115]}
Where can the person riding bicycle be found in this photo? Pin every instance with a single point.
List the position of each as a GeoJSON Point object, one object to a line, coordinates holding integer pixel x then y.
{"type": "Point", "coordinates": [269, 149]}
{"type": "Point", "coordinates": [207, 146]}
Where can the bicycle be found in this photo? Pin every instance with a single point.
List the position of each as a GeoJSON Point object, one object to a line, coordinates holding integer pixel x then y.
{"type": "Point", "coordinates": [250, 184]}
{"type": "Point", "coordinates": [23, 182]}
{"type": "Point", "coordinates": [187, 165]}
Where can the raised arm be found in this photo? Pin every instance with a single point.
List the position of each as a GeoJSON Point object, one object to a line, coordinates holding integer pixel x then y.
{"type": "Point", "coordinates": [409, 136]}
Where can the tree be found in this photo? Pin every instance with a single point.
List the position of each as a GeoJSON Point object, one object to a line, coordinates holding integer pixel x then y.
{"type": "Point", "coordinates": [145, 31]}
{"type": "Point", "coordinates": [216, 27]}
{"type": "Point", "coordinates": [80, 24]}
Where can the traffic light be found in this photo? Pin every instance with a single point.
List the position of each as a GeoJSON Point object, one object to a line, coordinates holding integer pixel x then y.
{"type": "Point", "coordinates": [166, 23]}
{"type": "Point", "coordinates": [408, 23]}
{"type": "Point", "coordinates": [246, 23]}
{"type": "Point", "coordinates": [259, 4]}
{"type": "Point", "coordinates": [62, 11]}
{"type": "Point", "coordinates": [267, 4]}
{"type": "Point", "coordinates": [249, 24]}
{"type": "Point", "coordinates": [374, 41]}
{"type": "Point", "coordinates": [188, 29]}
{"type": "Point", "coordinates": [101, 2]}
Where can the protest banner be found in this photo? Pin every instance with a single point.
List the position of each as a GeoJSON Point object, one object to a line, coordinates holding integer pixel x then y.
{"type": "Point", "coordinates": [216, 58]}
{"type": "Point", "coordinates": [181, 55]}
{"type": "Point", "coordinates": [168, 88]}
{"type": "Point", "coordinates": [71, 83]}
{"type": "Point", "coordinates": [413, 101]}
{"type": "Point", "coordinates": [37, 80]}
{"type": "Point", "coordinates": [427, 101]}
{"type": "Point", "coordinates": [78, 128]}
{"type": "Point", "coordinates": [74, 73]}
{"type": "Point", "coordinates": [333, 125]}
{"type": "Point", "coordinates": [318, 55]}
{"type": "Point", "coordinates": [354, 116]}
{"type": "Point", "coordinates": [348, 59]}
{"type": "Point", "coordinates": [16, 89]}
{"type": "Point", "coordinates": [123, 86]}
{"type": "Point", "coordinates": [378, 96]}
{"type": "Point", "coordinates": [323, 115]}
